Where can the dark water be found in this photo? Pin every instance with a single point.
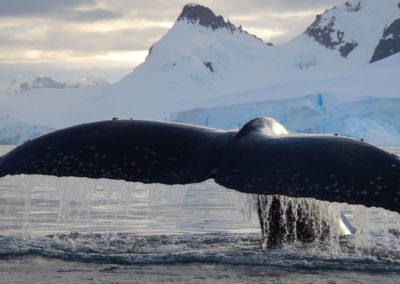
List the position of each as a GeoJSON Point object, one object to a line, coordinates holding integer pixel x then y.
{"type": "Point", "coordinates": [69, 230]}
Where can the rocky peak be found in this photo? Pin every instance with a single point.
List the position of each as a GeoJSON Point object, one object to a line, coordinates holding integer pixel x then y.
{"type": "Point", "coordinates": [197, 14]}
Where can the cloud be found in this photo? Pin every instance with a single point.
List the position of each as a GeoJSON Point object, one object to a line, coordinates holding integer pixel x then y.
{"type": "Point", "coordinates": [274, 5]}
{"type": "Point", "coordinates": [272, 17]}
{"type": "Point", "coordinates": [88, 38]}
{"type": "Point", "coordinates": [69, 10]}
{"type": "Point", "coordinates": [104, 31]}
{"type": "Point", "coordinates": [94, 15]}
{"type": "Point", "coordinates": [18, 8]}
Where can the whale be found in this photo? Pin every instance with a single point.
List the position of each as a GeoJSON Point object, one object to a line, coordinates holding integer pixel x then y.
{"type": "Point", "coordinates": [252, 159]}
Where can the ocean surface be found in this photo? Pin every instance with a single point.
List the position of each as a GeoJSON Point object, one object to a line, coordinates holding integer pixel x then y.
{"type": "Point", "coordinates": [75, 230]}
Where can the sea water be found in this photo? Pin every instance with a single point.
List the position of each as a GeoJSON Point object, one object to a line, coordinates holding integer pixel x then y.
{"type": "Point", "coordinates": [74, 230]}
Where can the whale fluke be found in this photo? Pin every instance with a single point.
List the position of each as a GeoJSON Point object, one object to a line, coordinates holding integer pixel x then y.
{"type": "Point", "coordinates": [250, 160]}
{"type": "Point", "coordinates": [131, 150]}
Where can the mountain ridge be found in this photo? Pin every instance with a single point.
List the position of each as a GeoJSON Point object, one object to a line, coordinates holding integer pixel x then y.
{"type": "Point", "coordinates": [20, 85]}
{"type": "Point", "coordinates": [193, 64]}
{"type": "Point", "coordinates": [358, 24]}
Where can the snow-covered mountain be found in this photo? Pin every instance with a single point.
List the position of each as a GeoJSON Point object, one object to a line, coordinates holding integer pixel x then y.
{"type": "Point", "coordinates": [357, 30]}
{"type": "Point", "coordinates": [205, 58]}
{"type": "Point", "coordinates": [205, 54]}
{"type": "Point", "coordinates": [200, 57]}
{"type": "Point", "coordinates": [20, 84]}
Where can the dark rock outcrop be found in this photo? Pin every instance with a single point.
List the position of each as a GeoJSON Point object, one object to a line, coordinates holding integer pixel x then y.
{"type": "Point", "coordinates": [353, 7]}
{"type": "Point", "coordinates": [390, 42]}
{"type": "Point", "coordinates": [203, 16]}
{"type": "Point", "coordinates": [209, 66]}
{"type": "Point", "coordinates": [347, 48]}
{"type": "Point", "coordinates": [329, 37]}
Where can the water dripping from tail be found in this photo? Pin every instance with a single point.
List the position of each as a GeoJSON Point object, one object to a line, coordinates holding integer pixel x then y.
{"type": "Point", "coordinates": [285, 220]}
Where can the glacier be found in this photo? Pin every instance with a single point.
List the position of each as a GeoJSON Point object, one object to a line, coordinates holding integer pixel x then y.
{"type": "Point", "coordinates": [15, 132]}
{"type": "Point", "coordinates": [362, 104]}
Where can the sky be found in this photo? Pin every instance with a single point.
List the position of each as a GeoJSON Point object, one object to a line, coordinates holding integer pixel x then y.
{"type": "Point", "coordinates": [108, 38]}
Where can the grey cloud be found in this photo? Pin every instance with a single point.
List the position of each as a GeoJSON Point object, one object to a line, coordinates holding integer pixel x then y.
{"type": "Point", "coordinates": [16, 8]}
{"type": "Point", "coordinates": [274, 5]}
{"type": "Point", "coordinates": [161, 10]}
{"type": "Point", "coordinates": [60, 9]}
{"type": "Point", "coordinates": [94, 15]}
{"type": "Point", "coordinates": [62, 37]}
{"type": "Point", "coordinates": [125, 40]}
{"type": "Point", "coordinates": [171, 9]}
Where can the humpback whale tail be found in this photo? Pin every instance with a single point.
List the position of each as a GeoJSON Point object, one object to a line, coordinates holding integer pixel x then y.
{"type": "Point", "coordinates": [251, 160]}
{"type": "Point", "coordinates": [138, 151]}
